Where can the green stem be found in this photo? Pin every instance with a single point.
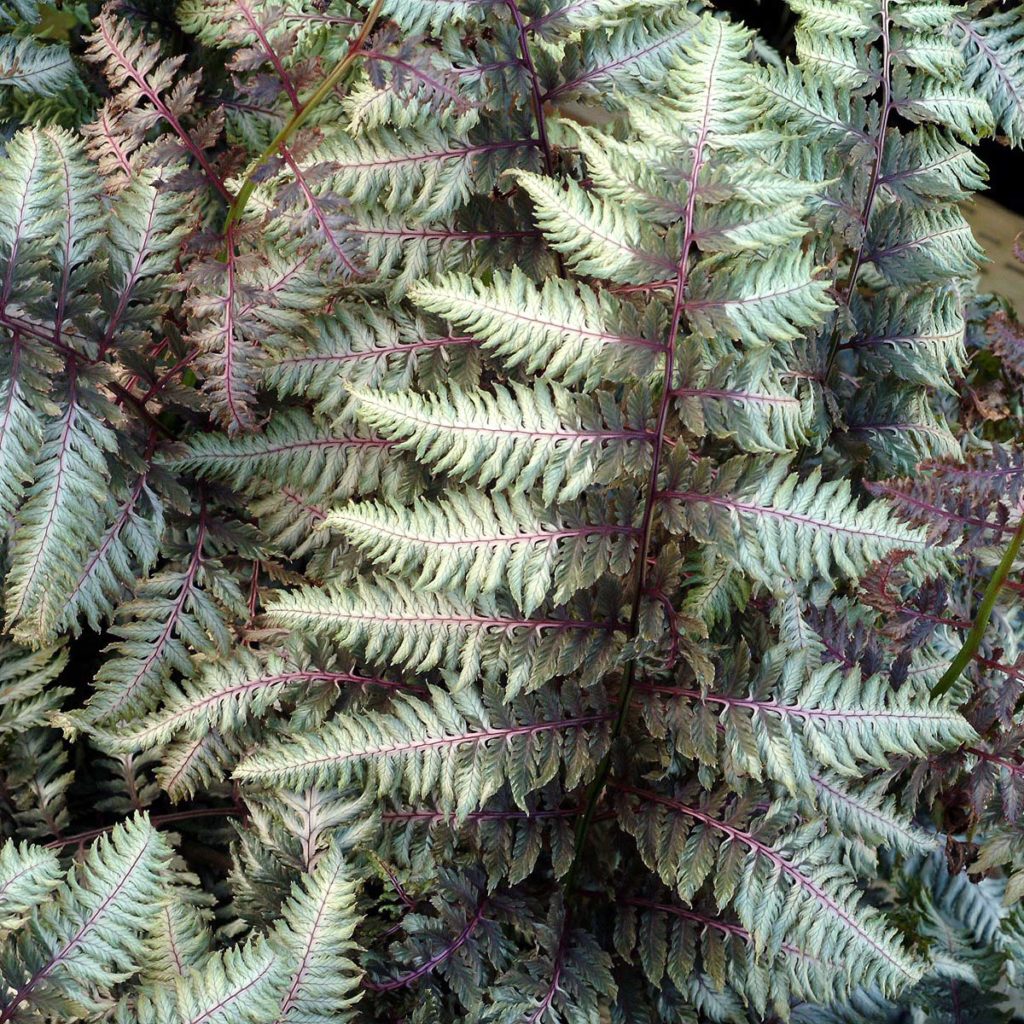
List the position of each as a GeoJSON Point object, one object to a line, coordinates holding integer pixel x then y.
{"type": "Point", "coordinates": [299, 118]}
{"type": "Point", "coordinates": [988, 600]}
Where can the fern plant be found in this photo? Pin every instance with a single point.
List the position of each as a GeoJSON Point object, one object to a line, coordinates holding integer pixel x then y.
{"type": "Point", "coordinates": [493, 513]}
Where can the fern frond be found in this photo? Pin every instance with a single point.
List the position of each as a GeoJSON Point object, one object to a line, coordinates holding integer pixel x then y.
{"type": "Point", "coordinates": [754, 301]}
{"type": "Point", "coordinates": [28, 874]}
{"type": "Point", "coordinates": [62, 509]}
{"type": "Point", "coordinates": [146, 83]}
{"type": "Point", "coordinates": [31, 209]}
{"type": "Point", "coordinates": [147, 227]}
{"type": "Point", "coordinates": [228, 339]}
{"type": "Point", "coordinates": [27, 694]}
{"type": "Point", "coordinates": [225, 696]}
{"type": "Point", "coordinates": [564, 14]}
{"type": "Point", "coordinates": [710, 89]}
{"type": "Point", "coordinates": [870, 815]}
{"type": "Point", "coordinates": [775, 525]}
{"type": "Point", "coordinates": [356, 343]}
{"type": "Point", "coordinates": [636, 173]}
{"type": "Point", "coordinates": [388, 622]}
{"type": "Point", "coordinates": [953, 105]}
{"type": "Point", "coordinates": [35, 68]}
{"type": "Point", "coordinates": [901, 428]}
{"type": "Point", "coordinates": [421, 172]}
{"type": "Point", "coordinates": [830, 41]}
{"type": "Point", "coordinates": [568, 333]}
{"type": "Point", "coordinates": [919, 336]}
{"type": "Point", "coordinates": [624, 60]}
{"type": "Point", "coordinates": [599, 238]}
{"type": "Point", "coordinates": [514, 437]}
{"type": "Point", "coordinates": [491, 516]}
{"type": "Point", "coordinates": [566, 972]}
{"type": "Point", "coordinates": [821, 909]}
{"type": "Point", "coordinates": [37, 780]}
{"type": "Point", "coordinates": [477, 545]}
{"type": "Point", "coordinates": [63, 248]}
{"type": "Point", "coordinates": [314, 942]}
{"type": "Point", "coordinates": [179, 941]}
{"type": "Point", "coordinates": [22, 402]}
{"type": "Point", "coordinates": [511, 841]}
{"type": "Point", "coordinates": [832, 717]}
{"type": "Point", "coordinates": [740, 226]}
{"type": "Point", "coordinates": [128, 548]}
{"type": "Point", "coordinates": [918, 246]}
{"type": "Point", "coordinates": [184, 607]}
{"type": "Point", "coordinates": [459, 749]}
{"type": "Point", "coordinates": [749, 402]}
{"type": "Point", "coordinates": [812, 103]}
{"type": "Point", "coordinates": [668, 938]}
{"type": "Point", "coordinates": [926, 164]}
{"type": "Point", "coordinates": [192, 765]}
{"type": "Point", "coordinates": [995, 71]}
{"type": "Point", "coordinates": [417, 16]}
{"type": "Point", "coordinates": [84, 939]}
{"type": "Point", "coordinates": [294, 450]}
{"type": "Point", "coordinates": [236, 986]}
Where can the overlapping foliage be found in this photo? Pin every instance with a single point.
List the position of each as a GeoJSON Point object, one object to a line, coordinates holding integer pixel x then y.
{"type": "Point", "coordinates": [496, 491]}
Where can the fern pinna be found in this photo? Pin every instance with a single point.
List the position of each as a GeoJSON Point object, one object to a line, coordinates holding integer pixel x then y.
{"type": "Point", "coordinates": [494, 511]}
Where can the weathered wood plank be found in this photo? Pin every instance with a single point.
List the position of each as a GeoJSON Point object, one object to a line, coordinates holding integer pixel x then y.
{"type": "Point", "coordinates": [995, 228]}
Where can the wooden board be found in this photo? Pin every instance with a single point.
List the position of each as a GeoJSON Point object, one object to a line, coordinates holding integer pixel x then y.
{"type": "Point", "coordinates": [995, 228]}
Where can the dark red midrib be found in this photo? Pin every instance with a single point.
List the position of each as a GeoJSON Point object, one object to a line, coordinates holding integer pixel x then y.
{"type": "Point", "coordinates": [435, 960]}
{"type": "Point", "coordinates": [505, 625]}
{"type": "Point", "coordinates": [58, 485]}
{"type": "Point", "coordinates": [902, 497]}
{"type": "Point", "coordinates": [373, 353]}
{"type": "Point", "coordinates": [162, 109]}
{"type": "Point", "coordinates": [726, 927]}
{"type": "Point", "coordinates": [769, 511]}
{"type": "Point", "coordinates": [503, 538]}
{"type": "Point", "coordinates": [583, 332]}
{"type": "Point", "coordinates": [796, 711]}
{"type": "Point", "coordinates": [132, 278]}
{"type": "Point", "coordinates": [631, 58]}
{"type": "Point", "coordinates": [314, 205]}
{"type": "Point", "coordinates": [111, 535]}
{"type": "Point", "coordinates": [272, 56]}
{"type": "Point", "coordinates": [483, 736]}
{"type": "Point", "coordinates": [19, 224]}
